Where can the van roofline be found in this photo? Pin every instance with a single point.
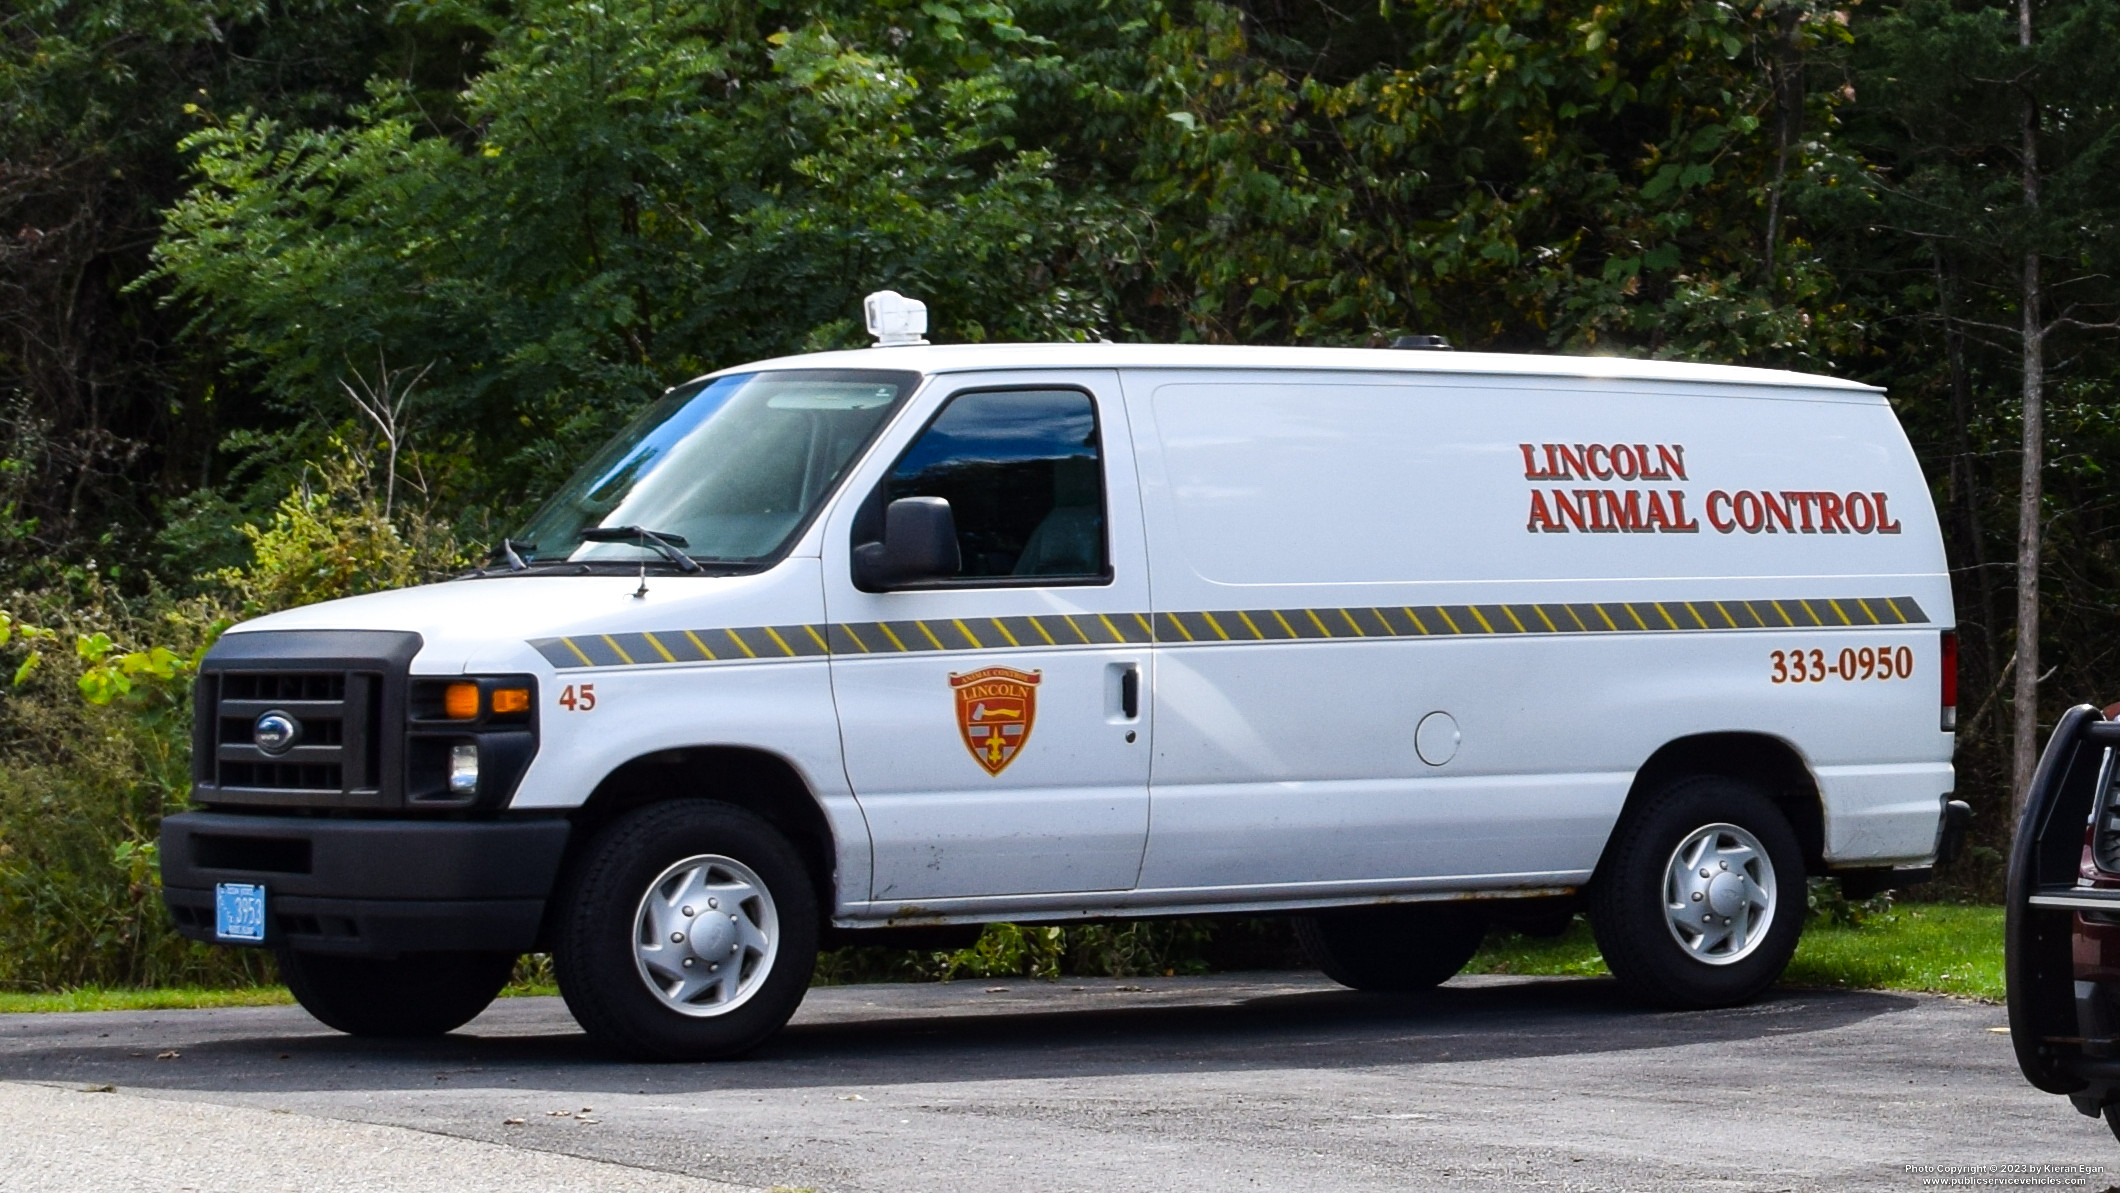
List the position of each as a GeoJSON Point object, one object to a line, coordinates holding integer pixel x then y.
{"type": "Point", "coordinates": [964, 358]}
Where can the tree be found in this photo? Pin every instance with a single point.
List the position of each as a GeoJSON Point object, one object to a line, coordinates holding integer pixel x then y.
{"type": "Point", "coordinates": [1995, 139]}
{"type": "Point", "coordinates": [1513, 174]}
{"type": "Point", "coordinates": [107, 409]}
{"type": "Point", "coordinates": [637, 192]}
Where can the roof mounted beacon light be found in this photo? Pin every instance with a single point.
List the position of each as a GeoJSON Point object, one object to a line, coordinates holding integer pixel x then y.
{"type": "Point", "coordinates": [894, 319]}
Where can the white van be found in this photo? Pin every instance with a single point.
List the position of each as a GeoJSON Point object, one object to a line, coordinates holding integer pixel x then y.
{"type": "Point", "coordinates": [1403, 643]}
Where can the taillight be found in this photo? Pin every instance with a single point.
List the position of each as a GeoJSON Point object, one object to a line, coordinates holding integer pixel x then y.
{"type": "Point", "coordinates": [1949, 666]}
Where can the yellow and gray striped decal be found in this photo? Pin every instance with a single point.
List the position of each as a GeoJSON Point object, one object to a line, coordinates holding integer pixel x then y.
{"type": "Point", "coordinates": [1222, 625]}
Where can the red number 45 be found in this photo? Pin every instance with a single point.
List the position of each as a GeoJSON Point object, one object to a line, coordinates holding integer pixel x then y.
{"type": "Point", "coordinates": [578, 699]}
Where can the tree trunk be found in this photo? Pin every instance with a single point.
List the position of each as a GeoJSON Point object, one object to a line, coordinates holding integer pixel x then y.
{"type": "Point", "coordinates": [1785, 77]}
{"type": "Point", "coordinates": [2026, 747]}
{"type": "Point", "coordinates": [1965, 486]}
{"type": "Point", "coordinates": [2026, 750]}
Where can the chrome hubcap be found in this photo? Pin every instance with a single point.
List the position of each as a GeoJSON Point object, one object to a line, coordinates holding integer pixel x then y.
{"type": "Point", "coordinates": [1719, 894]}
{"type": "Point", "coordinates": [705, 936]}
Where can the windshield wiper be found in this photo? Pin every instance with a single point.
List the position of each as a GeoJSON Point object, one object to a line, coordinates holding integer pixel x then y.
{"type": "Point", "coordinates": [507, 550]}
{"type": "Point", "coordinates": [667, 545]}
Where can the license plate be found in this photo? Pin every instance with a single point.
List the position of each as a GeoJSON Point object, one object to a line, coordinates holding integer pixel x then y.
{"type": "Point", "coordinates": [239, 911]}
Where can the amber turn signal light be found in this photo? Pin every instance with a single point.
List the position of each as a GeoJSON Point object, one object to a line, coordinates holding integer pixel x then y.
{"type": "Point", "coordinates": [460, 702]}
{"type": "Point", "coordinates": [507, 701]}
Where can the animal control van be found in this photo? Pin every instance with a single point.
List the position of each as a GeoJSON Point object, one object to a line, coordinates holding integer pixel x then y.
{"type": "Point", "coordinates": [1404, 644]}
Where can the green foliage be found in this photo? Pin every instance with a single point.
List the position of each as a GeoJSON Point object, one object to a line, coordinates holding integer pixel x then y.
{"type": "Point", "coordinates": [1827, 903]}
{"type": "Point", "coordinates": [1002, 950]}
{"type": "Point", "coordinates": [96, 749]}
{"type": "Point", "coordinates": [1512, 174]}
{"type": "Point", "coordinates": [108, 415]}
{"type": "Point", "coordinates": [1571, 954]}
{"type": "Point", "coordinates": [1944, 948]}
{"type": "Point", "coordinates": [1932, 222]}
{"type": "Point", "coordinates": [137, 998]}
{"type": "Point", "coordinates": [95, 741]}
{"type": "Point", "coordinates": [615, 222]}
{"type": "Point", "coordinates": [1010, 950]}
{"type": "Point", "coordinates": [330, 539]}
{"type": "Point", "coordinates": [1140, 948]}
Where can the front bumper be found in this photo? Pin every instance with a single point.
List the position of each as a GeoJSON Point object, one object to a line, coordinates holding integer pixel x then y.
{"type": "Point", "coordinates": [366, 887]}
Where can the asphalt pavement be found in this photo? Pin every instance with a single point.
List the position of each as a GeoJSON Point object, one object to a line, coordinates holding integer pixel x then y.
{"type": "Point", "coordinates": [1278, 1082]}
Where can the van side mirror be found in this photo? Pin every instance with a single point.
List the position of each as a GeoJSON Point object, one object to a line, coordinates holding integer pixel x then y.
{"type": "Point", "coordinates": [919, 544]}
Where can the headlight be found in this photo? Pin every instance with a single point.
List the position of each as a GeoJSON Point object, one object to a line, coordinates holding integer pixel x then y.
{"type": "Point", "coordinates": [463, 769]}
{"type": "Point", "coordinates": [468, 740]}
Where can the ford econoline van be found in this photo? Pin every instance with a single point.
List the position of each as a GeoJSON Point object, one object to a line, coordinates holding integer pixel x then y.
{"type": "Point", "coordinates": [1403, 644]}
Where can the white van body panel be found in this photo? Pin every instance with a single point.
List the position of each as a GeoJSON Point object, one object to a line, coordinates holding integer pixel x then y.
{"type": "Point", "coordinates": [1336, 491]}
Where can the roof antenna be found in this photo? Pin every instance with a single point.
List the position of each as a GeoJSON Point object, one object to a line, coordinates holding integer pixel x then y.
{"type": "Point", "coordinates": [1430, 343]}
{"type": "Point", "coordinates": [895, 320]}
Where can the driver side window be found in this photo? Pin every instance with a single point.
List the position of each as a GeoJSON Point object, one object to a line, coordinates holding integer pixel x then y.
{"type": "Point", "coordinates": [1024, 476]}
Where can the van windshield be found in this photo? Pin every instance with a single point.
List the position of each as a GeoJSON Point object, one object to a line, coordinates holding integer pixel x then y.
{"type": "Point", "coordinates": [733, 467]}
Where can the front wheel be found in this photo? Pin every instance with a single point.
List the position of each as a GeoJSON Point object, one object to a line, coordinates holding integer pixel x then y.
{"type": "Point", "coordinates": [688, 932]}
{"type": "Point", "coordinates": [1700, 898]}
{"type": "Point", "coordinates": [418, 994]}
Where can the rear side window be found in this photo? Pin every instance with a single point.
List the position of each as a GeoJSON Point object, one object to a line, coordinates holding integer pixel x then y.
{"type": "Point", "coordinates": [1024, 475]}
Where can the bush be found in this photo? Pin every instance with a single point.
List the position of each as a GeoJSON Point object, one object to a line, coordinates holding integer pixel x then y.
{"type": "Point", "coordinates": [1123, 950]}
{"type": "Point", "coordinates": [1827, 903]}
{"type": "Point", "coordinates": [94, 750]}
{"type": "Point", "coordinates": [95, 736]}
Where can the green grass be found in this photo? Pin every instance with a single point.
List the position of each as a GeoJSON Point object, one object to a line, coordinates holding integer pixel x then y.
{"type": "Point", "coordinates": [1944, 948]}
{"type": "Point", "coordinates": [533, 976]}
{"type": "Point", "coordinates": [169, 998]}
{"type": "Point", "coordinates": [1572, 953]}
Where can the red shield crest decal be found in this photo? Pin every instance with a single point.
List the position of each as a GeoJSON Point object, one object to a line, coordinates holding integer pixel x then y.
{"type": "Point", "coordinates": [995, 709]}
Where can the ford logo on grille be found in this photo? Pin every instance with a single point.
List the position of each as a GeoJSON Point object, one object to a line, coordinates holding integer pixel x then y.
{"type": "Point", "coordinates": [276, 732]}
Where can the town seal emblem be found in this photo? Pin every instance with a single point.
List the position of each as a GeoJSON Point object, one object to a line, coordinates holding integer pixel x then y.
{"type": "Point", "coordinates": [995, 709]}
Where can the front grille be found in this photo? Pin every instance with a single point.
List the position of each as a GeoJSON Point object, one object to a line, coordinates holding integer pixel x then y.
{"type": "Point", "coordinates": [283, 685]}
{"type": "Point", "coordinates": [282, 776]}
{"type": "Point", "coordinates": [334, 751]}
{"type": "Point", "coordinates": [345, 689]}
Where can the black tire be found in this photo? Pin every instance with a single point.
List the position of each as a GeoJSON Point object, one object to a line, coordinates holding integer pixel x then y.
{"type": "Point", "coordinates": [1396, 950]}
{"type": "Point", "coordinates": [1628, 897]}
{"type": "Point", "coordinates": [599, 915]}
{"type": "Point", "coordinates": [418, 994]}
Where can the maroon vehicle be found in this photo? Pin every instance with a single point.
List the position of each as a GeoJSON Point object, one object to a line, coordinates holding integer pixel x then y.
{"type": "Point", "coordinates": [2062, 959]}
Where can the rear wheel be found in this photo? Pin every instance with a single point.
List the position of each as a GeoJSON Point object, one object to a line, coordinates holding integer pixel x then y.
{"type": "Point", "coordinates": [418, 994]}
{"type": "Point", "coordinates": [1392, 949]}
{"type": "Point", "coordinates": [1700, 897]}
{"type": "Point", "coordinates": [688, 932]}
